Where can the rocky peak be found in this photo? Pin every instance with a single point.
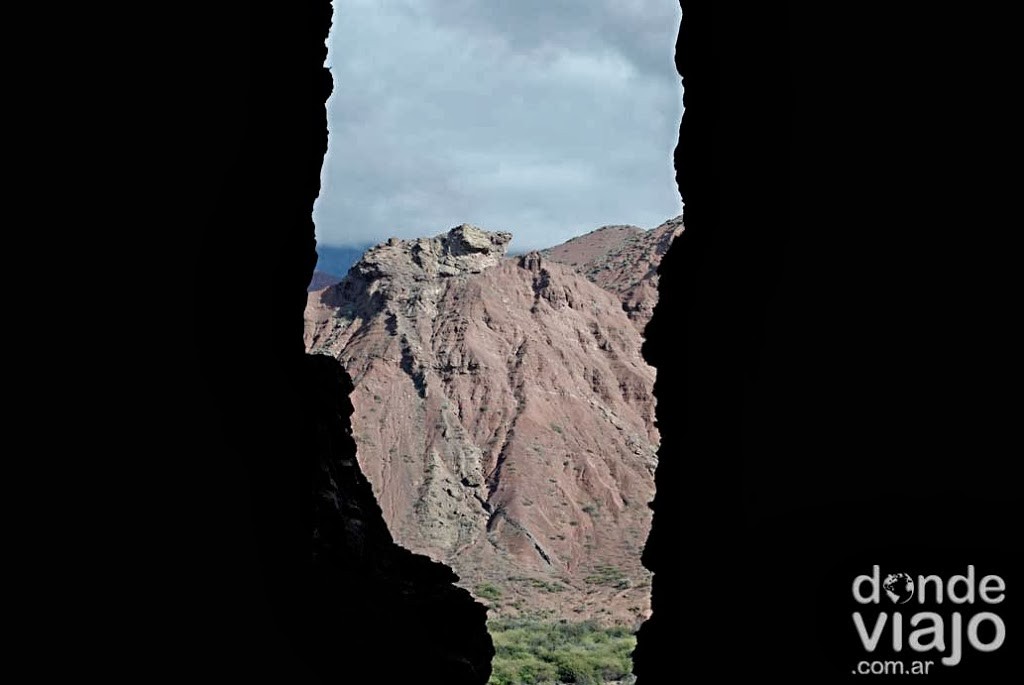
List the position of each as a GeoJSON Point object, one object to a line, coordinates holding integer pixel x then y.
{"type": "Point", "coordinates": [399, 274]}
{"type": "Point", "coordinates": [531, 261]}
{"type": "Point", "coordinates": [466, 239]}
{"type": "Point", "coordinates": [463, 250]}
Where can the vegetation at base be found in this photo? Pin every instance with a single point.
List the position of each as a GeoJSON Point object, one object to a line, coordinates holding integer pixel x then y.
{"type": "Point", "coordinates": [530, 652]}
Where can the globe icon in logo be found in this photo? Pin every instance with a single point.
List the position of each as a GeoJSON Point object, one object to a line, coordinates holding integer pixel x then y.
{"type": "Point", "coordinates": [899, 587]}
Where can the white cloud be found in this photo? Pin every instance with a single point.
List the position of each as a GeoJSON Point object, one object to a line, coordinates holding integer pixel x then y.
{"type": "Point", "coordinates": [598, 71]}
{"type": "Point", "coordinates": [547, 118]}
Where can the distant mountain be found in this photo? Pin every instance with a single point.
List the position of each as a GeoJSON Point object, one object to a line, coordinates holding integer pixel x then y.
{"type": "Point", "coordinates": [321, 280]}
{"type": "Point", "coordinates": [333, 263]}
{"type": "Point", "coordinates": [503, 412]}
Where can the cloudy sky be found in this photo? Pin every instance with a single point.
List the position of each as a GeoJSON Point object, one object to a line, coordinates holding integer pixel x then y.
{"type": "Point", "coordinates": [546, 118]}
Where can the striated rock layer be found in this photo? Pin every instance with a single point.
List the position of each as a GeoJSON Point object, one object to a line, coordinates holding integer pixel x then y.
{"type": "Point", "coordinates": [502, 410]}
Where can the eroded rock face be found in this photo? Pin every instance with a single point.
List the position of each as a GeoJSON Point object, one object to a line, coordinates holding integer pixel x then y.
{"type": "Point", "coordinates": [503, 414]}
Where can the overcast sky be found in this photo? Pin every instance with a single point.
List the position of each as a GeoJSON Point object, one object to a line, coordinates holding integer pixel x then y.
{"type": "Point", "coordinates": [546, 118]}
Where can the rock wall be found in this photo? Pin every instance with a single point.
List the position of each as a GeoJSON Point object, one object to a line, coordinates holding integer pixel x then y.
{"type": "Point", "coordinates": [296, 576]}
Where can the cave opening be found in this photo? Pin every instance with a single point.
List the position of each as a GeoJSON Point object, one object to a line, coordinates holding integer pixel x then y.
{"type": "Point", "coordinates": [769, 495]}
{"type": "Point", "coordinates": [495, 201]}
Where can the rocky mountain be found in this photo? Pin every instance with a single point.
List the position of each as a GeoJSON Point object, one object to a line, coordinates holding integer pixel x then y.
{"type": "Point", "coordinates": [623, 260]}
{"type": "Point", "coordinates": [503, 412]}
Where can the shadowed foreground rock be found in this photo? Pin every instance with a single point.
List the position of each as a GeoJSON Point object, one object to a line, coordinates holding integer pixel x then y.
{"type": "Point", "coordinates": [395, 615]}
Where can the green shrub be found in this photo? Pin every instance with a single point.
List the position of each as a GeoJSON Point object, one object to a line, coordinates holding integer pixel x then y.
{"type": "Point", "coordinates": [605, 574]}
{"type": "Point", "coordinates": [488, 591]}
{"type": "Point", "coordinates": [529, 652]}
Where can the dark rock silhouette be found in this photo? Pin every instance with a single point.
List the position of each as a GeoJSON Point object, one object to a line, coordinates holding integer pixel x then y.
{"type": "Point", "coordinates": [288, 587]}
{"type": "Point", "coordinates": [401, 601]}
{"type": "Point", "coordinates": [892, 326]}
{"type": "Point", "coordinates": [805, 341]}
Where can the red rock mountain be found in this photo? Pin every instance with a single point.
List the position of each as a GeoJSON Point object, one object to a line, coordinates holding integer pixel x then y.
{"type": "Point", "coordinates": [503, 412]}
{"type": "Point", "coordinates": [624, 260]}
